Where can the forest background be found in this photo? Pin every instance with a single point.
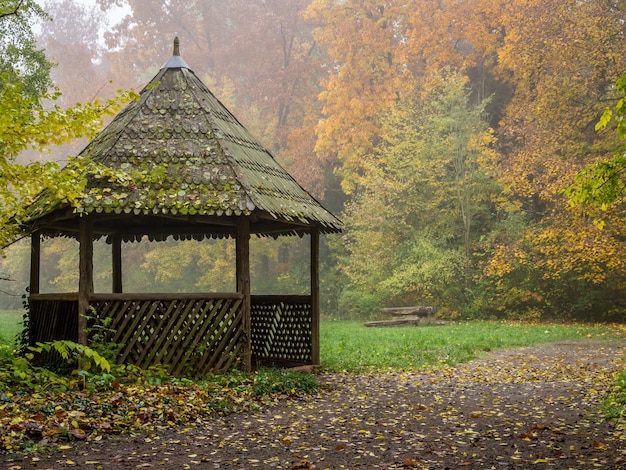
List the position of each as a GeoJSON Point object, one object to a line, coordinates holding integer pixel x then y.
{"type": "Point", "coordinates": [444, 133]}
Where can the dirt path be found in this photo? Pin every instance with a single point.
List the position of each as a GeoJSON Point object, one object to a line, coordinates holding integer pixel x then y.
{"type": "Point", "coordinates": [531, 407]}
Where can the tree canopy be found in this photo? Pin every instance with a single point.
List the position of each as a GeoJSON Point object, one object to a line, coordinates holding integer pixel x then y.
{"type": "Point", "coordinates": [448, 133]}
{"type": "Point", "coordinates": [30, 118]}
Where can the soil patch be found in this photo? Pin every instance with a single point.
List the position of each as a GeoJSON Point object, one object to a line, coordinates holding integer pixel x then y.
{"type": "Point", "coordinates": [514, 409]}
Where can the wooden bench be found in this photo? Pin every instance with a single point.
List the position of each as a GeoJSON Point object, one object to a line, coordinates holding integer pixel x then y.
{"type": "Point", "coordinates": [404, 316]}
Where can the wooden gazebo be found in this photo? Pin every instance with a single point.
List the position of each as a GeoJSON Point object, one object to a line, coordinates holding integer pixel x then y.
{"type": "Point", "coordinates": [182, 165]}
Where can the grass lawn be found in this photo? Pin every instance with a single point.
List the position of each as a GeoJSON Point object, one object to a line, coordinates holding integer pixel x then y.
{"type": "Point", "coordinates": [10, 325]}
{"type": "Point", "coordinates": [350, 346]}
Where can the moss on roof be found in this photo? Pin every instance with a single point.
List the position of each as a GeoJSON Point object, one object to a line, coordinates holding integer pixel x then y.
{"type": "Point", "coordinates": [187, 154]}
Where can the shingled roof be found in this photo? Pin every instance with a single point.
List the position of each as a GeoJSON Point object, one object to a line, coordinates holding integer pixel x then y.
{"type": "Point", "coordinates": [186, 155]}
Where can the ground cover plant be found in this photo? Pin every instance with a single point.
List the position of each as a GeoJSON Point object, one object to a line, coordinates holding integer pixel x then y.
{"type": "Point", "coordinates": [40, 408]}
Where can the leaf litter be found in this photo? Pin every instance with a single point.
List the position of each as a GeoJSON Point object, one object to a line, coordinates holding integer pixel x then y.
{"type": "Point", "coordinates": [533, 407]}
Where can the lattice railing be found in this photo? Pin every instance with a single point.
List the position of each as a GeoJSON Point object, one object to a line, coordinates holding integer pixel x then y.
{"type": "Point", "coordinates": [52, 317]}
{"type": "Point", "coordinates": [190, 334]}
{"type": "Point", "coordinates": [186, 333]}
{"type": "Point", "coordinates": [281, 329]}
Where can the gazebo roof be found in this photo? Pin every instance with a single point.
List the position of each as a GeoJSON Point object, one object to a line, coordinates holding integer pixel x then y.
{"type": "Point", "coordinates": [189, 162]}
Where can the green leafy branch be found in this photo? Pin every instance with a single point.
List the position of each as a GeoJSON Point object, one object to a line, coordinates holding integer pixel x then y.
{"type": "Point", "coordinates": [602, 183]}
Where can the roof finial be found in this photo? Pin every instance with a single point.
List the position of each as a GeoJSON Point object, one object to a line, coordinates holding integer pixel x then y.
{"type": "Point", "coordinates": [176, 61]}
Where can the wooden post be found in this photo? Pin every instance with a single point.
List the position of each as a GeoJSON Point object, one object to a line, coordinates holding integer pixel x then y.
{"type": "Point", "coordinates": [243, 282]}
{"type": "Point", "coordinates": [85, 280]}
{"type": "Point", "coordinates": [315, 296]}
{"type": "Point", "coordinates": [116, 259]}
{"type": "Point", "coordinates": [35, 263]}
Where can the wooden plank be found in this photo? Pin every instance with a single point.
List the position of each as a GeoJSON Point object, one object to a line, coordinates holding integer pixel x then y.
{"type": "Point", "coordinates": [122, 315]}
{"type": "Point", "coordinates": [35, 262]}
{"type": "Point", "coordinates": [175, 349]}
{"type": "Point", "coordinates": [419, 311]}
{"type": "Point", "coordinates": [274, 299]}
{"type": "Point", "coordinates": [141, 318]}
{"type": "Point", "coordinates": [85, 279]}
{"type": "Point", "coordinates": [155, 341]}
{"type": "Point", "coordinates": [69, 296]}
{"type": "Point", "coordinates": [222, 352]}
{"type": "Point", "coordinates": [164, 297]}
{"type": "Point", "coordinates": [195, 334]}
{"type": "Point", "coordinates": [116, 262]}
{"type": "Point", "coordinates": [409, 321]}
{"type": "Point", "coordinates": [210, 360]}
{"type": "Point", "coordinates": [227, 361]}
{"type": "Point", "coordinates": [243, 282]}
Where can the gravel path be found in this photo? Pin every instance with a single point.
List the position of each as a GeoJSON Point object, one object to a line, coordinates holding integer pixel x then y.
{"type": "Point", "coordinates": [514, 409]}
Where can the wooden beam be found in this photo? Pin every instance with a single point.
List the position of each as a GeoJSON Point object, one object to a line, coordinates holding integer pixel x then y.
{"type": "Point", "coordinates": [243, 282]}
{"type": "Point", "coordinates": [35, 263]}
{"type": "Point", "coordinates": [315, 296]}
{"type": "Point", "coordinates": [140, 297]}
{"type": "Point", "coordinates": [419, 311]}
{"type": "Point", "coordinates": [85, 280]}
{"type": "Point", "coordinates": [116, 261]}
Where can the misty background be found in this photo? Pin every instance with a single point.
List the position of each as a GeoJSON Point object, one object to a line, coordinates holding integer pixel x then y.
{"type": "Point", "coordinates": [443, 133]}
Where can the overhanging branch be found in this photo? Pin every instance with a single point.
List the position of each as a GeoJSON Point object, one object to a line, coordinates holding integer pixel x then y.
{"type": "Point", "coordinates": [13, 12]}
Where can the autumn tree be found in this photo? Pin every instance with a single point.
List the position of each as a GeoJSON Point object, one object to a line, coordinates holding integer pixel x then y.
{"type": "Point", "coordinates": [257, 57]}
{"type": "Point", "coordinates": [536, 56]}
{"type": "Point", "coordinates": [562, 67]}
{"type": "Point", "coordinates": [377, 52]}
{"type": "Point", "coordinates": [31, 119]}
{"type": "Point", "coordinates": [360, 38]}
{"type": "Point", "coordinates": [423, 201]}
{"type": "Point", "coordinates": [21, 58]}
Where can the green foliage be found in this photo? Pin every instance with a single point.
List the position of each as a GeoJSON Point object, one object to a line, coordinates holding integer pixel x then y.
{"type": "Point", "coordinates": [10, 325]}
{"type": "Point", "coordinates": [31, 118]}
{"type": "Point", "coordinates": [614, 405]}
{"type": "Point", "coordinates": [270, 381]}
{"type": "Point", "coordinates": [355, 303]}
{"type": "Point", "coordinates": [602, 183]}
{"type": "Point", "coordinates": [427, 269]}
{"type": "Point", "coordinates": [98, 334]}
{"type": "Point", "coordinates": [24, 123]}
{"type": "Point", "coordinates": [20, 59]}
{"type": "Point", "coordinates": [423, 202]}
{"type": "Point", "coordinates": [72, 353]}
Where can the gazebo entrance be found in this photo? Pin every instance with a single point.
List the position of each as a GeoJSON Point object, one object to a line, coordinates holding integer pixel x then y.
{"type": "Point", "coordinates": [193, 171]}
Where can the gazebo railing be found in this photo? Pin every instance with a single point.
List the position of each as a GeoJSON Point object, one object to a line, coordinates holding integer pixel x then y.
{"type": "Point", "coordinates": [53, 317]}
{"type": "Point", "coordinates": [189, 334]}
{"type": "Point", "coordinates": [281, 329]}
